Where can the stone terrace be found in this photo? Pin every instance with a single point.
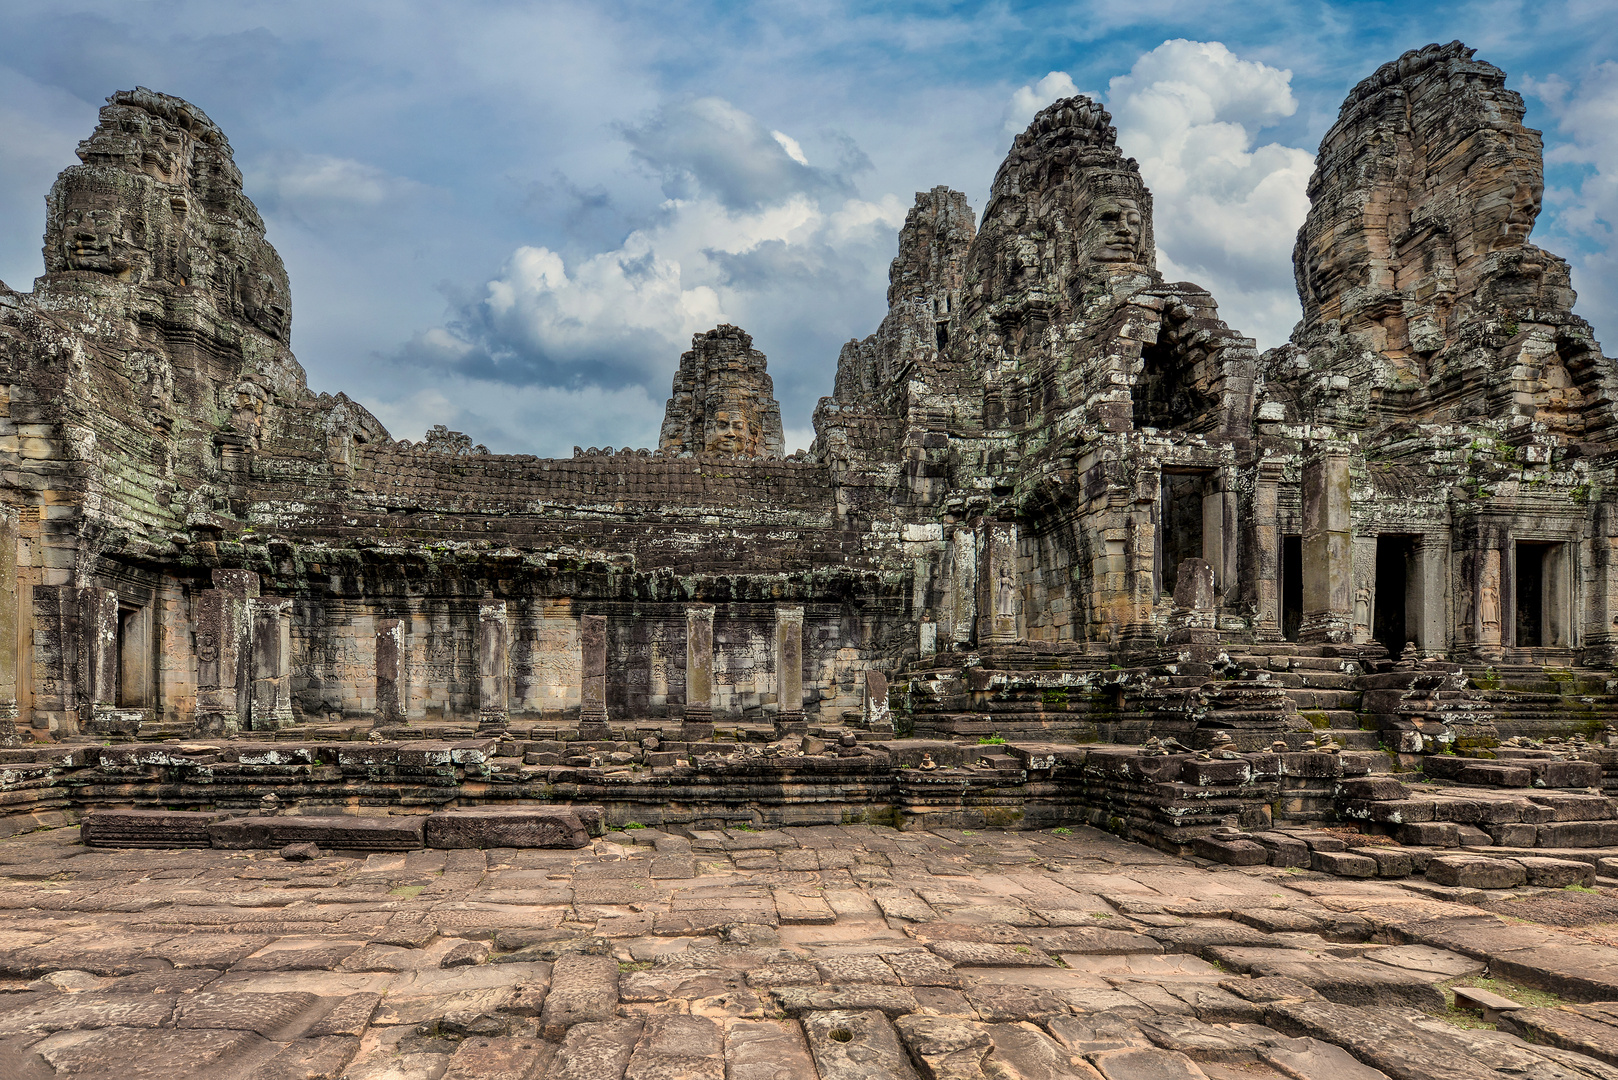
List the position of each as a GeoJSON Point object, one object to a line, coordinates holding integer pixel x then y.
{"type": "Point", "coordinates": [831, 952]}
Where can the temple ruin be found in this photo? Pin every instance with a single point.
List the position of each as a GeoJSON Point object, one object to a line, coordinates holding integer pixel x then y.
{"type": "Point", "coordinates": [1279, 674]}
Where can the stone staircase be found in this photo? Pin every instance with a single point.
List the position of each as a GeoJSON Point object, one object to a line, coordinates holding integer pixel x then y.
{"type": "Point", "coordinates": [1537, 702]}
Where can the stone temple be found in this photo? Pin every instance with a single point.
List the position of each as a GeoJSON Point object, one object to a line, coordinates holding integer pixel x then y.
{"type": "Point", "coordinates": [1098, 696]}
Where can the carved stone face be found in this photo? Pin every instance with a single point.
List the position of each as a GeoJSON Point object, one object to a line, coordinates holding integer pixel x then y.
{"type": "Point", "coordinates": [1115, 230]}
{"type": "Point", "coordinates": [1521, 212]}
{"type": "Point", "coordinates": [265, 303]}
{"type": "Point", "coordinates": [93, 234]}
{"type": "Point", "coordinates": [728, 432]}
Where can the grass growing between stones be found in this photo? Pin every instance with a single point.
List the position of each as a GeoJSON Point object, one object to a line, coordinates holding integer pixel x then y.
{"type": "Point", "coordinates": [409, 892]}
{"type": "Point", "coordinates": [1471, 1021]}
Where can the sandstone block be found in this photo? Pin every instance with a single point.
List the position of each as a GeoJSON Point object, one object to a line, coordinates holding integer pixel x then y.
{"type": "Point", "coordinates": [1476, 872]}
{"type": "Point", "coordinates": [515, 827]}
{"type": "Point", "coordinates": [345, 832]}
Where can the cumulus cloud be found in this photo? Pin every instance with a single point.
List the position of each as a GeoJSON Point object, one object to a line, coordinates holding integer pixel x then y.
{"type": "Point", "coordinates": [749, 233]}
{"type": "Point", "coordinates": [1027, 100]}
{"type": "Point", "coordinates": [1227, 211]}
{"type": "Point", "coordinates": [1585, 200]}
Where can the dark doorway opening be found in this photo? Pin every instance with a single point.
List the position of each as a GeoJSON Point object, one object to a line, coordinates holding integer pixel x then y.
{"type": "Point", "coordinates": [1390, 619]}
{"type": "Point", "coordinates": [1180, 514]}
{"type": "Point", "coordinates": [1530, 596]}
{"type": "Point", "coordinates": [1291, 586]}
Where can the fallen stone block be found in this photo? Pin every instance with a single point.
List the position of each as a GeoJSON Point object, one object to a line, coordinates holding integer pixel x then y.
{"type": "Point", "coordinates": [1230, 852]}
{"type": "Point", "coordinates": [1375, 788]}
{"type": "Point", "coordinates": [1581, 834]}
{"type": "Point", "coordinates": [1476, 872]}
{"type": "Point", "coordinates": [1510, 776]}
{"type": "Point", "coordinates": [507, 827]}
{"type": "Point", "coordinates": [1391, 862]}
{"type": "Point", "coordinates": [147, 828]}
{"type": "Point", "coordinates": [1344, 864]}
{"type": "Point", "coordinates": [343, 832]}
{"type": "Point", "coordinates": [1556, 873]}
{"type": "Point", "coordinates": [1440, 834]}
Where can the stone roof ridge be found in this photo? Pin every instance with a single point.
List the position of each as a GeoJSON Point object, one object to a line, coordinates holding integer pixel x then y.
{"type": "Point", "coordinates": [1413, 63]}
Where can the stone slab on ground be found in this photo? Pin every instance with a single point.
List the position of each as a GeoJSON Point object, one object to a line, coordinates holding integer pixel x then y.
{"type": "Point", "coordinates": [147, 828]}
{"type": "Point", "coordinates": [856, 1045]}
{"type": "Point", "coordinates": [507, 827]}
{"type": "Point", "coordinates": [337, 833]}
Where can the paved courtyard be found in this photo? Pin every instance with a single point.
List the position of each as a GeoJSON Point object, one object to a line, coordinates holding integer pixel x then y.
{"type": "Point", "coordinates": [840, 953]}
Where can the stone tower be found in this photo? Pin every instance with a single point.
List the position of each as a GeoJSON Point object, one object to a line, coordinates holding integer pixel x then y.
{"type": "Point", "coordinates": [724, 402]}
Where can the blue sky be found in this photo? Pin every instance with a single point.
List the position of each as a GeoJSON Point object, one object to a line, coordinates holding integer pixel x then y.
{"type": "Point", "coordinates": [511, 217]}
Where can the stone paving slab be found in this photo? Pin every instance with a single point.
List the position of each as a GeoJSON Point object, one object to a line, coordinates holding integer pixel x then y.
{"type": "Point", "coordinates": [936, 954]}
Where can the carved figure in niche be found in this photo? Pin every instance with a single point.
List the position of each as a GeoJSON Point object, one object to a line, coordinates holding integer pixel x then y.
{"type": "Point", "coordinates": [207, 647]}
{"type": "Point", "coordinates": [1489, 600]}
{"type": "Point", "coordinates": [1115, 230]}
{"type": "Point", "coordinates": [1005, 593]}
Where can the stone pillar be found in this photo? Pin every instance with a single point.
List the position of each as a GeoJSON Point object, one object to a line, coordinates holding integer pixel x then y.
{"type": "Point", "coordinates": [1328, 587]}
{"type": "Point", "coordinates": [960, 575]}
{"type": "Point", "coordinates": [494, 678]}
{"type": "Point", "coordinates": [1489, 602]}
{"type": "Point", "coordinates": [999, 594]}
{"type": "Point", "coordinates": [927, 637]}
{"type": "Point", "coordinates": [874, 704]}
{"type": "Point", "coordinates": [391, 691]}
{"type": "Point", "coordinates": [789, 671]}
{"type": "Point", "coordinates": [98, 652]}
{"type": "Point", "coordinates": [272, 662]}
{"type": "Point", "coordinates": [1432, 572]}
{"type": "Point", "coordinates": [1600, 648]}
{"type": "Point", "coordinates": [697, 724]}
{"type": "Point", "coordinates": [1266, 560]}
{"type": "Point", "coordinates": [55, 659]}
{"type": "Point", "coordinates": [593, 684]}
{"type": "Point", "coordinates": [10, 616]}
{"type": "Point", "coordinates": [224, 652]}
{"type": "Point", "coordinates": [1193, 618]}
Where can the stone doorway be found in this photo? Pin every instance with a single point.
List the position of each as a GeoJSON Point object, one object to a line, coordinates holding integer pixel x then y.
{"type": "Point", "coordinates": [1541, 617]}
{"type": "Point", "coordinates": [1396, 573]}
{"type": "Point", "coordinates": [134, 658]}
{"type": "Point", "coordinates": [1291, 586]}
{"type": "Point", "coordinates": [1181, 533]}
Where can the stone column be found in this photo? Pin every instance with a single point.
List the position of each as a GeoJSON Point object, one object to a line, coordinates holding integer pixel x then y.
{"type": "Point", "coordinates": [1328, 586]}
{"type": "Point", "coordinates": [272, 662]}
{"type": "Point", "coordinates": [697, 724]}
{"type": "Point", "coordinates": [1432, 573]}
{"type": "Point", "coordinates": [1489, 605]}
{"type": "Point", "coordinates": [999, 588]}
{"type": "Point", "coordinates": [10, 616]}
{"type": "Point", "coordinates": [224, 652]}
{"type": "Point", "coordinates": [494, 678]}
{"type": "Point", "coordinates": [98, 652]}
{"type": "Point", "coordinates": [55, 659]}
{"type": "Point", "coordinates": [593, 684]}
{"type": "Point", "coordinates": [789, 671]}
{"type": "Point", "coordinates": [874, 708]}
{"type": "Point", "coordinates": [1266, 560]}
{"type": "Point", "coordinates": [1600, 648]}
{"type": "Point", "coordinates": [927, 637]}
{"type": "Point", "coordinates": [390, 675]}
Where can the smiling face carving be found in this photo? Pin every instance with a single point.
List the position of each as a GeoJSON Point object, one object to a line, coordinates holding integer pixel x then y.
{"type": "Point", "coordinates": [1116, 228]}
{"type": "Point", "coordinates": [94, 235]}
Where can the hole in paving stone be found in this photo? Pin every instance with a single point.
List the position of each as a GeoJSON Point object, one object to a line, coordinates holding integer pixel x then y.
{"type": "Point", "coordinates": [841, 1034]}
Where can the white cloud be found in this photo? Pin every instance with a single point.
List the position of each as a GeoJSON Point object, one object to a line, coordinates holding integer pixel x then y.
{"type": "Point", "coordinates": [1226, 212]}
{"type": "Point", "coordinates": [791, 146]}
{"type": "Point", "coordinates": [1586, 215]}
{"type": "Point", "coordinates": [320, 178]}
{"type": "Point", "coordinates": [755, 230]}
{"type": "Point", "coordinates": [1027, 100]}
